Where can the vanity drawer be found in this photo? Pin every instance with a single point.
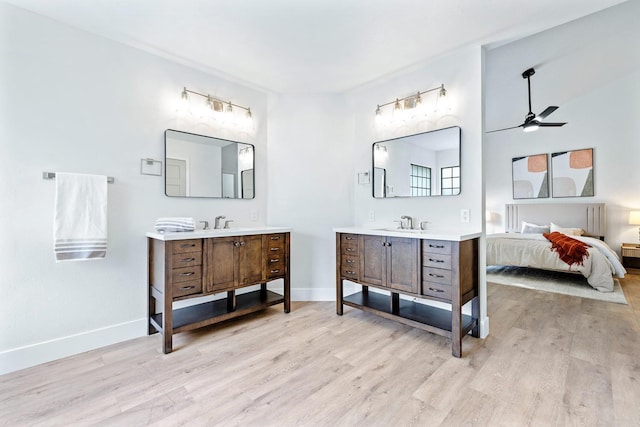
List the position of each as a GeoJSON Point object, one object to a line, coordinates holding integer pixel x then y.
{"type": "Point", "coordinates": [188, 259]}
{"type": "Point", "coordinates": [186, 274]}
{"type": "Point", "coordinates": [350, 261]}
{"type": "Point", "coordinates": [276, 270]}
{"type": "Point", "coordinates": [437, 290]}
{"type": "Point", "coordinates": [191, 287]}
{"type": "Point", "coordinates": [183, 246]}
{"type": "Point", "coordinates": [275, 258]}
{"type": "Point", "coordinates": [436, 246]}
{"type": "Point", "coordinates": [349, 244]}
{"type": "Point", "coordinates": [436, 260]}
{"type": "Point", "coordinates": [349, 272]}
{"type": "Point", "coordinates": [276, 238]}
{"type": "Point", "coordinates": [437, 275]}
{"type": "Point", "coordinates": [274, 247]}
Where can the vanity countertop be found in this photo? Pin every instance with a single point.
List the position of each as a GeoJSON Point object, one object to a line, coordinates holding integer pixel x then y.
{"type": "Point", "coordinates": [435, 234]}
{"type": "Point", "coordinates": [206, 234]}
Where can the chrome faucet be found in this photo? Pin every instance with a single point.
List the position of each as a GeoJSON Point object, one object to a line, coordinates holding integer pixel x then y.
{"type": "Point", "coordinates": [409, 221]}
{"type": "Point", "coordinates": [206, 225]}
{"type": "Point", "coordinates": [423, 225]}
{"type": "Point", "coordinates": [217, 224]}
{"type": "Point", "coordinates": [226, 223]}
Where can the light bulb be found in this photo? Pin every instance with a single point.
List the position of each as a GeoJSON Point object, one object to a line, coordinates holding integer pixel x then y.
{"type": "Point", "coordinates": [183, 103]}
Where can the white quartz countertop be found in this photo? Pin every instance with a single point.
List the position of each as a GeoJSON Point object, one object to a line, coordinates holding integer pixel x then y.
{"type": "Point", "coordinates": [205, 234]}
{"type": "Point", "coordinates": [435, 234]}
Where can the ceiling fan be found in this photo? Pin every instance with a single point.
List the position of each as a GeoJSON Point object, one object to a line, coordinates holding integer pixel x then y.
{"type": "Point", "coordinates": [531, 121]}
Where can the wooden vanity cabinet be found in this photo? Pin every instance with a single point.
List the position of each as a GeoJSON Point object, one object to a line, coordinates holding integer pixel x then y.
{"type": "Point", "coordinates": [190, 268]}
{"type": "Point", "coordinates": [439, 270]}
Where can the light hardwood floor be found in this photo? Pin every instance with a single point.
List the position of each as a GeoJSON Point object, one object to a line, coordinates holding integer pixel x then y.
{"type": "Point", "coordinates": [550, 360]}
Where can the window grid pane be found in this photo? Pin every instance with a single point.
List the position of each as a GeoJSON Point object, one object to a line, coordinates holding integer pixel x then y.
{"type": "Point", "coordinates": [420, 180]}
{"type": "Point", "coordinates": [450, 180]}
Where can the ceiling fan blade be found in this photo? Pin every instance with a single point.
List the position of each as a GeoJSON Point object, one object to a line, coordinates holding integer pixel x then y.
{"type": "Point", "coordinates": [546, 112]}
{"type": "Point", "coordinates": [543, 124]}
{"type": "Point", "coordinates": [499, 130]}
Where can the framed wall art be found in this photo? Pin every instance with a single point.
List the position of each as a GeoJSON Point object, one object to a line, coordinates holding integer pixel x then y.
{"type": "Point", "coordinates": [530, 176]}
{"type": "Point", "coordinates": [572, 173]}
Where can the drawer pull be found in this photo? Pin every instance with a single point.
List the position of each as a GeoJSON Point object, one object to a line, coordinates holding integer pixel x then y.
{"type": "Point", "coordinates": [274, 249]}
{"type": "Point", "coordinates": [436, 290]}
{"type": "Point", "coordinates": [186, 288]}
{"type": "Point", "coordinates": [274, 260]}
{"type": "Point", "coordinates": [187, 259]}
{"type": "Point", "coordinates": [191, 273]}
{"type": "Point", "coordinates": [350, 272]}
{"type": "Point", "coordinates": [350, 261]}
{"type": "Point", "coordinates": [436, 275]}
{"type": "Point", "coordinates": [436, 260]}
{"type": "Point", "coordinates": [349, 238]}
{"type": "Point", "coordinates": [275, 237]}
{"type": "Point", "coordinates": [188, 245]}
{"type": "Point", "coordinates": [350, 250]}
{"type": "Point", "coordinates": [436, 246]}
{"type": "Point", "coordinates": [275, 271]}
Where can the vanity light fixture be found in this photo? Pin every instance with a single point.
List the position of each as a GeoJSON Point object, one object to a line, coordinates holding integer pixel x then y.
{"type": "Point", "coordinates": [212, 105]}
{"type": "Point", "coordinates": [402, 106]}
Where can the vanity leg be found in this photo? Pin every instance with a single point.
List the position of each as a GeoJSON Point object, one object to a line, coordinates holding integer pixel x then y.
{"type": "Point", "coordinates": [456, 326]}
{"type": "Point", "coordinates": [263, 291]}
{"type": "Point", "coordinates": [339, 296]}
{"type": "Point", "coordinates": [231, 301]}
{"type": "Point", "coordinates": [395, 302]}
{"type": "Point", "coordinates": [365, 290]}
{"type": "Point", "coordinates": [475, 313]}
{"type": "Point", "coordinates": [152, 310]}
{"type": "Point", "coordinates": [287, 293]}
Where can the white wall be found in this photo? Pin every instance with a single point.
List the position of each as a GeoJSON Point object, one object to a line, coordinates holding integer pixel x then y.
{"type": "Point", "coordinates": [310, 156]}
{"type": "Point", "coordinates": [590, 68]}
{"type": "Point", "coordinates": [76, 102]}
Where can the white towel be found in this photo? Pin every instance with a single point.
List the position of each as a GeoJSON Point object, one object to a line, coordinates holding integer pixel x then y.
{"type": "Point", "coordinates": [175, 224]}
{"type": "Point", "coordinates": [80, 218]}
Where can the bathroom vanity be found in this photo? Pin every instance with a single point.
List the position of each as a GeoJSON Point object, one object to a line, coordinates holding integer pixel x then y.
{"type": "Point", "coordinates": [420, 265]}
{"type": "Point", "coordinates": [189, 265]}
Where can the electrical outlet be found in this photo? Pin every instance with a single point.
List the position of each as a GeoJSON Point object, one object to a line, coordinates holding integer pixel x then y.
{"type": "Point", "coordinates": [372, 216]}
{"type": "Point", "coordinates": [465, 215]}
{"type": "Point", "coordinates": [254, 215]}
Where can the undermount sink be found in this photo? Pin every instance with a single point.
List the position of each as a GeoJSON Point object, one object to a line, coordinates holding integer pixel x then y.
{"type": "Point", "coordinates": [227, 230]}
{"type": "Point", "coordinates": [402, 230]}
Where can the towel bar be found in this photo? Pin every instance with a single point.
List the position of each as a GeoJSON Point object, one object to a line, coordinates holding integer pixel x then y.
{"type": "Point", "coordinates": [52, 175]}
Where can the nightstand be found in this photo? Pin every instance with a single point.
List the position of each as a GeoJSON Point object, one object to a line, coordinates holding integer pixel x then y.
{"type": "Point", "coordinates": [630, 255]}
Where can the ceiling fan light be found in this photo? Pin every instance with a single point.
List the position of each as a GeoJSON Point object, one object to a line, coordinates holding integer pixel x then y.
{"type": "Point", "coordinates": [530, 127]}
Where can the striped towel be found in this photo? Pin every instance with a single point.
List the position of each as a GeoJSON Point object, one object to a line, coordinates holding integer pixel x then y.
{"type": "Point", "coordinates": [80, 217]}
{"type": "Point", "coordinates": [175, 224]}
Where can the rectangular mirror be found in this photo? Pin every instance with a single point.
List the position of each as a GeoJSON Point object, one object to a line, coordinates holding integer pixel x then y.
{"type": "Point", "coordinates": [204, 166]}
{"type": "Point", "coordinates": [424, 164]}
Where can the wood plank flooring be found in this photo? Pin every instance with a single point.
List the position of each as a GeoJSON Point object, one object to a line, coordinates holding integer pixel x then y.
{"type": "Point", "coordinates": [550, 360]}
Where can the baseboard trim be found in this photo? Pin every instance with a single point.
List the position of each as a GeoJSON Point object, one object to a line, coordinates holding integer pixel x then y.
{"type": "Point", "coordinates": [47, 351]}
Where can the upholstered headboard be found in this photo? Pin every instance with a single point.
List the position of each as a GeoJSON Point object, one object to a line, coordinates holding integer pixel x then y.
{"type": "Point", "coordinates": [588, 216]}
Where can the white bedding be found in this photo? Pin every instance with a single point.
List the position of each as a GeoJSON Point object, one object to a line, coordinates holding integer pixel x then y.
{"type": "Point", "coordinates": [534, 250]}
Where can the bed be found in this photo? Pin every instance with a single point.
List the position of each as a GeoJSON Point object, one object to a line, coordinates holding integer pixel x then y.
{"type": "Point", "coordinates": [532, 249]}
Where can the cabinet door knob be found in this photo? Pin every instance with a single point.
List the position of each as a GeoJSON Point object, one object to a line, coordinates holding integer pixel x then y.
{"type": "Point", "coordinates": [236, 244]}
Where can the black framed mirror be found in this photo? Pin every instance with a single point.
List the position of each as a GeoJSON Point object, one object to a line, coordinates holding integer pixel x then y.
{"type": "Point", "coordinates": [204, 166]}
{"type": "Point", "coordinates": [420, 165]}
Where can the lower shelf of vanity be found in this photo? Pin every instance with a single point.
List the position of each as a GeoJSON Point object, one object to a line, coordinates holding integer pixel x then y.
{"type": "Point", "coordinates": [425, 317]}
{"type": "Point", "coordinates": [208, 313]}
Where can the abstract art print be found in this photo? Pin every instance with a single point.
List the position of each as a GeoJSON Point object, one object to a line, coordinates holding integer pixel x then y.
{"type": "Point", "coordinates": [572, 173]}
{"type": "Point", "coordinates": [530, 176]}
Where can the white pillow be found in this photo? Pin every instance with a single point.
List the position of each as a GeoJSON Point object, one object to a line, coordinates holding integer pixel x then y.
{"type": "Point", "coordinates": [571, 231]}
{"type": "Point", "coordinates": [529, 228]}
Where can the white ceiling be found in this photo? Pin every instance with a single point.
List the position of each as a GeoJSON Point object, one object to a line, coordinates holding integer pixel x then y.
{"type": "Point", "coordinates": [309, 46]}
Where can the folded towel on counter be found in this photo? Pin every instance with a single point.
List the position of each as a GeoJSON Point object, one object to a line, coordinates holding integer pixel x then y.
{"type": "Point", "coordinates": [80, 217]}
{"type": "Point", "coordinates": [175, 224]}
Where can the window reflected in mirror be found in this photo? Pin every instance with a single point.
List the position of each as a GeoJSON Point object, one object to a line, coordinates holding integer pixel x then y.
{"type": "Point", "coordinates": [420, 165]}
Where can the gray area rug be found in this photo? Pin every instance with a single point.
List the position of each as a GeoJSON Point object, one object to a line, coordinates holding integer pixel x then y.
{"type": "Point", "coordinates": [551, 281]}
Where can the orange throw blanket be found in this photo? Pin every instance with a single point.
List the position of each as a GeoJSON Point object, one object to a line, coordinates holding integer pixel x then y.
{"type": "Point", "coordinates": [569, 250]}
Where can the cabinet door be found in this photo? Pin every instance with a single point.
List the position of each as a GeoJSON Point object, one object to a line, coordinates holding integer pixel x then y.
{"type": "Point", "coordinates": [250, 260]}
{"type": "Point", "coordinates": [221, 261]}
{"type": "Point", "coordinates": [372, 260]}
{"type": "Point", "coordinates": [402, 264]}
